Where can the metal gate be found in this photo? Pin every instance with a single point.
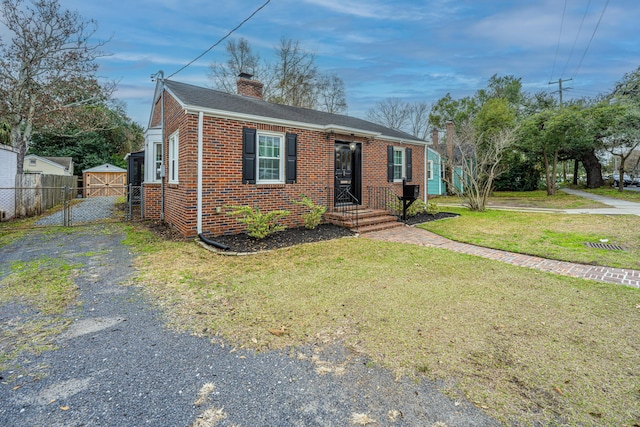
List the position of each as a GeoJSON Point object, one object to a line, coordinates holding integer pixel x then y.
{"type": "Point", "coordinates": [67, 207]}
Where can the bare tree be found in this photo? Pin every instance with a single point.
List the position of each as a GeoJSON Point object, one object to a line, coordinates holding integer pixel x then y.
{"type": "Point", "coordinates": [47, 69]}
{"type": "Point", "coordinates": [295, 75]}
{"type": "Point", "coordinates": [240, 59]}
{"type": "Point", "coordinates": [418, 119]}
{"type": "Point", "coordinates": [291, 79]}
{"type": "Point", "coordinates": [331, 97]}
{"type": "Point", "coordinates": [479, 160]}
{"type": "Point", "coordinates": [390, 112]}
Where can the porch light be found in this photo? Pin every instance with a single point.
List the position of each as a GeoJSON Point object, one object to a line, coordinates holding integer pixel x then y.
{"type": "Point", "coordinates": [352, 146]}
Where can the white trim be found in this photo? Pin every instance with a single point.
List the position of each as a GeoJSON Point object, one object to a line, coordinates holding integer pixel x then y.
{"type": "Point", "coordinates": [174, 158]}
{"type": "Point", "coordinates": [191, 109]}
{"type": "Point", "coordinates": [281, 137]}
{"type": "Point", "coordinates": [430, 170]}
{"type": "Point", "coordinates": [199, 191]}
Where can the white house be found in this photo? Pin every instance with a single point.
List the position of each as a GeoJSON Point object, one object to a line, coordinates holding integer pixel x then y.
{"type": "Point", "coordinates": [9, 162]}
{"type": "Point", "coordinates": [48, 165]}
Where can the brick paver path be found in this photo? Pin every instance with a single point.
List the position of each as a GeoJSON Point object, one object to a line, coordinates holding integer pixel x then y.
{"type": "Point", "coordinates": [418, 236]}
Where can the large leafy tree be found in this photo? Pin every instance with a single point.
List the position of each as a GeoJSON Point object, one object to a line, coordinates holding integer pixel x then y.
{"type": "Point", "coordinates": [552, 133]}
{"type": "Point", "coordinates": [88, 149]}
{"type": "Point", "coordinates": [616, 126]}
{"type": "Point", "coordinates": [47, 69]}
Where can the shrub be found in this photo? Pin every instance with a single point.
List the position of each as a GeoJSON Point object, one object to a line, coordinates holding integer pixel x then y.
{"type": "Point", "coordinates": [416, 208]}
{"type": "Point", "coordinates": [259, 225]}
{"type": "Point", "coordinates": [314, 216]}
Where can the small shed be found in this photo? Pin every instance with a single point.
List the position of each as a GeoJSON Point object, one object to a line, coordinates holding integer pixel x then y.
{"type": "Point", "coordinates": [104, 180]}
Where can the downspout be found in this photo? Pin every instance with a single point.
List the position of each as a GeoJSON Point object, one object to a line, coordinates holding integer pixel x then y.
{"type": "Point", "coordinates": [440, 178]}
{"type": "Point", "coordinates": [163, 174]}
{"type": "Point", "coordinates": [199, 187]}
{"type": "Point", "coordinates": [426, 173]}
{"type": "Point", "coordinates": [199, 172]}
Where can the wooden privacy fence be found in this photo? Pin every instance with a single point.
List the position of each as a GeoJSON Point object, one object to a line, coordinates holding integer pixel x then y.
{"type": "Point", "coordinates": [35, 193]}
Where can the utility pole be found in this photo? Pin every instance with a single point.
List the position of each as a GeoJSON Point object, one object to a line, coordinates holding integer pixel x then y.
{"type": "Point", "coordinates": [560, 89]}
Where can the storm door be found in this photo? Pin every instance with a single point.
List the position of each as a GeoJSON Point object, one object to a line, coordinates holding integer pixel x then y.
{"type": "Point", "coordinates": [347, 174]}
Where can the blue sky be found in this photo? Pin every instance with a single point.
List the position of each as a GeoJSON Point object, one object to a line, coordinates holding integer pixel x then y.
{"type": "Point", "coordinates": [418, 50]}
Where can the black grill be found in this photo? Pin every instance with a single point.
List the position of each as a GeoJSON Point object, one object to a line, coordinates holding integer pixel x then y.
{"type": "Point", "coordinates": [607, 246]}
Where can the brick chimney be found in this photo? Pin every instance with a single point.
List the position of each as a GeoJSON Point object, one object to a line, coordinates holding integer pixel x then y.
{"type": "Point", "coordinates": [450, 135]}
{"type": "Point", "coordinates": [434, 138]}
{"type": "Point", "coordinates": [248, 87]}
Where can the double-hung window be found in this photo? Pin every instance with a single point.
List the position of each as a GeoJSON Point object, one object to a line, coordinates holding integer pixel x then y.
{"type": "Point", "coordinates": [157, 147]}
{"type": "Point", "coordinates": [270, 162]}
{"type": "Point", "coordinates": [399, 171]}
{"type": "Point", "coordinates": [173, 158]}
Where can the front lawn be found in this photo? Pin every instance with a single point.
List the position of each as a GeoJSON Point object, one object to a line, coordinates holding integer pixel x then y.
{"type": "Point", "coordinates": [555, 236]}
{"type": "Point", "coordinates": [528, 347]}
{"type": "Point", "coordinates": [529, 199]}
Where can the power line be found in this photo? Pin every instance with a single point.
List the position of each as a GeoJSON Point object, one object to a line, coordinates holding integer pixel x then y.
{"type": "Point", "coordinates": [553, 69]}
{"type": "Point", "coordinates": [576, 39]}
{"type": "Point", "coordinates": [222, 39]}
{"type": "Point", "coordinates": [591, 39]}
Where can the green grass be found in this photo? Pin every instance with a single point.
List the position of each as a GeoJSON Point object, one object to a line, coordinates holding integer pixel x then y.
{"type": "Point", "coordinates": [45, 289]}
{"type": "Point", "coordinates": [530, 199]}
{"type": "Point", "coordinates": [554, 236]}
{"type": "Point", "coordinates": [528, 347]}
{"type": "Point", "coordinates": [629, 195]}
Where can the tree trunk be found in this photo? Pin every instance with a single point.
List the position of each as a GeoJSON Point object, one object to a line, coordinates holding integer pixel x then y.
{"type": "Point", "coordinates": [576, 165]}
{"type": "Point", "coordinates": [547, 174]}
{"type": "Point", "coordinates": [621, 172]}
{"type": "Point", "coordinates": [593, 168]}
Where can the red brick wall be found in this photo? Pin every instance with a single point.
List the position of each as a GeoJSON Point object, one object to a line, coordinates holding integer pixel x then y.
{"type": "Point", "coordinates": [222, 173]}
{"type": "Point", "coordinates": [152, 201]}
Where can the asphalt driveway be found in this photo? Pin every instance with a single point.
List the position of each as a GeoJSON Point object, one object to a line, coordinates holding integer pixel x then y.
{"type": "Point", "coordinates": [118, 365]}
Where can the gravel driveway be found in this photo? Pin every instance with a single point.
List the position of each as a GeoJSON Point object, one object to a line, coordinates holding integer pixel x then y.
{"type": "Point", "coordinates": [117, 365]}
{"type": "Point", "coordinates": [91, 209]}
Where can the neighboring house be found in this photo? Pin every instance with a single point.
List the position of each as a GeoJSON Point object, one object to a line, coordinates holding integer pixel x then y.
{"type": "Point", "coordinates": [104, 180]}
{"type": "Point", "coordinates": [207, 150]}
{"type": "Point", "coordinates": [48, 165]}
{"type": "Point", "coordinates": [8, 171]}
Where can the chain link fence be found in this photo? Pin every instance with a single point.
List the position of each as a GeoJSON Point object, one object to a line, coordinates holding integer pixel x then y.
{"type": "Point", "coordinates": [68, 206]}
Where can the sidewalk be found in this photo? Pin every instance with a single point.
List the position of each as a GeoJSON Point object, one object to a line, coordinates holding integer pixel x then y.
{"type": "Point", "coordinates": [618, 207]}
{"type": "Point", "coordinates": [418, 236]}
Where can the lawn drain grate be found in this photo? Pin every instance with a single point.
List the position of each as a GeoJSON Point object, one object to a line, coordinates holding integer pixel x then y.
{"type": "Point", "coordinates": [607, 246]}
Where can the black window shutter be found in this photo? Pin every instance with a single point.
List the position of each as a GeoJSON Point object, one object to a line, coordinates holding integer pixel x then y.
{"type": "Point", "coordinates": [248, 156]}
{"type": "Point", "coordinates": [409, 164]}
{"type": "Point", "coordinates": [390, 163]}
{"type": "Point", "coordinates": [291, 142]}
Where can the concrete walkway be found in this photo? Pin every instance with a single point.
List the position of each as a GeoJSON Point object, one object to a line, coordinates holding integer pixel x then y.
{"type": "Point", "coordinates": [618, 207]}
{"type": "Point", "coordinates": [418, 236]}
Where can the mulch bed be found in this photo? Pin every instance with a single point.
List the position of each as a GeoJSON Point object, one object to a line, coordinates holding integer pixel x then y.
{"type": "Point", "coordinates": [295, 236]}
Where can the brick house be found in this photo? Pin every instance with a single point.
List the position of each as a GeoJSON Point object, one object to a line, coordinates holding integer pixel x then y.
{"type": "Point", "coordinates": [207, 150]}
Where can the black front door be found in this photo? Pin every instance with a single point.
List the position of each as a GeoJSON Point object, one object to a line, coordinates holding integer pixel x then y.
{"type": "Point", "coordinates": [347, 174]}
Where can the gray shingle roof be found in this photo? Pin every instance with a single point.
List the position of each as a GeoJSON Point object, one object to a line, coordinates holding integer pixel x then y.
{"type": "Point", "coordinates": [107, 167]}
{"type": "Point", "coordinates": [62, 161]}
{"type": "Point", "coordinates": [204, 98]}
